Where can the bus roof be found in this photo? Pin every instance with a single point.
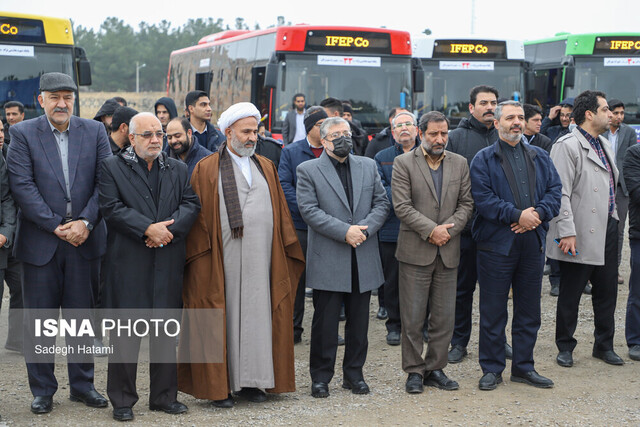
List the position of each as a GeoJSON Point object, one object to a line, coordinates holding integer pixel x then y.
{"type": "Point", "coordinates": [423, 46]}
{"type": "Point", "coordinates": [579, 44]}
{"type": "Point", "coordinates": [292, 38]}
{"type": "Point", "coordinates": [56, 30]}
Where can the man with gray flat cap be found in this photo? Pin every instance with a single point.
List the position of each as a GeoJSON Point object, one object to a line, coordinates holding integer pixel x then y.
{"type": "Point", "coordinates": [53, 172]}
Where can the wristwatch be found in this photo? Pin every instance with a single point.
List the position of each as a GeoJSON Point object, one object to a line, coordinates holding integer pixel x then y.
{"type": "Point", "coordinates": [87, 224]}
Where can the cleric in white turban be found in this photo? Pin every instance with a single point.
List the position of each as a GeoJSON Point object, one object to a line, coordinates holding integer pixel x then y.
{"type": "Point", "coordinates": [243, 257]}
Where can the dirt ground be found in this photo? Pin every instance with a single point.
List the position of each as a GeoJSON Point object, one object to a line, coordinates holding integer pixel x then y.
{"type": "Point", "coordinates": [590, 393]}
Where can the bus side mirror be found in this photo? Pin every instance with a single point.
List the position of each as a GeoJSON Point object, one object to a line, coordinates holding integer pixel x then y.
{"type": "Point", "coordinates": [569, 76]}
{"type": "Point", "coordinates": [417, 74]}
{"type": "Point", "coordinates": [83, 67]}
{"type": "Point", "coordinates": [271, 75]}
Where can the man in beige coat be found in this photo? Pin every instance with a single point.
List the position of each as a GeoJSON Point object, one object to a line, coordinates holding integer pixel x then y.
{"type": "Point", "coordinates": [431, 194]}
{"type": "Point", "coordinates": [583, 237]}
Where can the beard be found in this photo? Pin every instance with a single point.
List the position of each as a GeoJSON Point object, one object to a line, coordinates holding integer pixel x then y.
{"type": "Point", "coordinates": [505, 133]}
{"type": "Point", "coordinates": [180, 149]}
{"type": "Point", "coordinates": [239, 147]}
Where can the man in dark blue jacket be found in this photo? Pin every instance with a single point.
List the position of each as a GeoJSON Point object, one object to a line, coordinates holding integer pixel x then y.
{"type": "Point", "coordinates": [517, 191]}
{"type": "Point", "coordinates": [198, 109]}
{"type": "Point", "coordinates": [182, 144]}
{"type": "Point", "coordinates": [292, 155]}
{"type": "Point", "coordinates": [404, 132]}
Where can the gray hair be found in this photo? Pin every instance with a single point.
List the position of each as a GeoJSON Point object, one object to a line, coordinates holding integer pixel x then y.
{"type": "Point", "coordinates": [133, 122]}
{"type": "Point", "coordinates": [312, 110]}
{"type": "Point", "coordinates": [404, 113]}
{"type": "Point", "coordinates": [329, 123]}
{"type": "Point", "coordinates": [498, 112]}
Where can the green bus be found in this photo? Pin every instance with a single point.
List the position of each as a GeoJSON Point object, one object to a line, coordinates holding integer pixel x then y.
{"type": "Point", "coordinates": [567, 64]}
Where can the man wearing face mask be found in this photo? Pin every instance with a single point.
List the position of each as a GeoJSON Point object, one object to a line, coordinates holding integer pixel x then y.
{"type": "Point", "coordinates": [343, 203]}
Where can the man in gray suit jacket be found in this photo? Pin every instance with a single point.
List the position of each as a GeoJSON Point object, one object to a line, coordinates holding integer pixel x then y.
{"type": "Point", "coordinates": [621, 137]}
{"type": "Point", "coordinates": [432, 198]}
{"type": "Point", "coordinates": [342, 201]}
{"type": "Point", "coordinates": [293, 127]}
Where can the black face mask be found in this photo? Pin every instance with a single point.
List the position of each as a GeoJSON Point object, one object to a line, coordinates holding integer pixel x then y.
{"type": "Point", "coordinates": [342, 146]}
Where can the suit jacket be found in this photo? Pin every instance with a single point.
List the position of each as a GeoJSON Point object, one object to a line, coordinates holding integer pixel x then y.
{"type": "Point", "coordinates": [325, 208]}
{"type": "Point", "coordinates": [626, 138]}
{"type": "Point", "coordinates": [416, 204]}
{"type": "Point", "coordinates": [38, 186]}
{"type": "Point", "coordinates": [289, 127]}
{"type": "Point", "coordinates": [7, 214]}
{"type": "Point", "coordinates": [585, 198]}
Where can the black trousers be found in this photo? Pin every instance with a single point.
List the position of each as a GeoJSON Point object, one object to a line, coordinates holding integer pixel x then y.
{"type": "Point", "coordinates": [13, 276]}
{"type": "Point", "coordinates": [467, 278]}
{"type": "Point", "coordinates": [604, 293]}
{"type": "Point", "coordinates": [298, 307]}
{"type": "Point", "coordinates": [121, 377]}
{"type": "Point", "coordinates": [324, 331]}
{"type": "Point", "coordinates": [390, 269]}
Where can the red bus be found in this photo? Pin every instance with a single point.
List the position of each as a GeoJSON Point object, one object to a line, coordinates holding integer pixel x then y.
{"type": "Point", "coordinates": [371, 68]}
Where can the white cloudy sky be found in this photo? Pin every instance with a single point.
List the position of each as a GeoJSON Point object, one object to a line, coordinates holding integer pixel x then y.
{"type": "Point", "coordinates": [515, 19]}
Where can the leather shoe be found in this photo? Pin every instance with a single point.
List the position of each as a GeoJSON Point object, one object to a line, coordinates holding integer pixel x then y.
{"type": "Point", "coordinates": [587, 289]}
{"type": "Point", "coordinates": [252, 394]}
{"type": "Point", "coordinates": [565, 359]}
{"type": "Point", "coordinates": [297, 338]}
{"type": "Point", "coordinates": [340, 340]}
{"type": "Point", "coordinates": [555, 290]}
{"type": "Point", "coordinates": [634, 352]}
{"type": "Point", "coordinates": [223, 403]}
{"type": "Point", "coordinates": [343, 314]}
{"type": "Point", "coordinates": [414, 384]}
{"type": "Point", "coordinates": [123, 414]}
{"type": "Point", "coordinates": [508, 351]}
{"type": "Point", "coordinates": [42, 404]}
{"type": "Point", "coordinates": [91, 398]}
{"type": "Point", "coordinates": [319, 390]}
{"type": "Point", "coordinates": [532, 378]}
{"type": "Point", "coordinates": [382, 314]}
{"type": "Point", "coordinates": [609, 356]}
{"type": "Point", "coordinates": [356, 387]}
{"type": "Point", "coordinates": [393, 338]}
{"type": "Point", "coordinates": [170, 408]}
{"type": "Point", "coordinates": [489, 381]}
{"type": "Point", "coordinates": [438, 379]}
{"type": "Point", "coordinates": [457, 354]}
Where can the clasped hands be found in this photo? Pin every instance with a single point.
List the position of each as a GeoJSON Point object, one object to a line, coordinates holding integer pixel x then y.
{"type": "Point", "coordinates": [158, 235]}
{"type": "Point", "coordinates": [440, 235]}
{"type": "Point", "coordinates": [529, 220]}
{"type": "Point", "coordinates": [73, 232]}
{"type": "Point", "coordinates": [355, 236]}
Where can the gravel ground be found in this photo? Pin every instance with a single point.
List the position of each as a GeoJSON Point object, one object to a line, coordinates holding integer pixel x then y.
{"type": "Point", "coordinates": [590, 393]}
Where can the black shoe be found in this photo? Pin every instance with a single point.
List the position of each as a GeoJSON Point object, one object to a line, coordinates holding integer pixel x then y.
{"type": "Point", "coordinates": [356, 387]}
{"type": "Point", "coordinates": [425, 335]}
{"type": "Point", "coordinates": [634, 352]}
{"type": "Point", "coordinates": [123, 414]}
{"type": "Point", "coordinates": [414, 384]}
{"type": "Point", "coordinates": [489, 381]}
{"type": "Point", "coordinates": [252, 394]}
{"type": "Point", "coordinates": [457, 353]}
{"type": "Point", "coordinates": [587, 289]}
{"type": "Point", "coordinates": [170, 408]}
{"type": "Point", "coordinates": [91, 398]}
{"type": "Point", "coordinates": [555, 290]}
{"type": "Point", "coordinates": [438, 379]}
{"type": "Point", "coordinates": [382, 314]}
{"type": "Point", "coordinates": [343, 315]}
{"type": "Point", "coordinates": [320, 390]}
{"type": "Point", "coordinates": [508, 351]}
{"type": "Point", "coordinates": [547, 270]}
{"type": "Point", "coordinates": [609, 356]}
{"type": "Point", "coordinates": [565, 359]}
{"type": "Point", "coordinates": [297, 338]}
{"type": "Point", "coordinates": [42, 404]}
{"type": "Point", "coordinates": [532, 378]}
{"type": "Point", "coordinates": [393, 338]}
{"type": "Point", "coordinates": [340, 340]}
{"type": "Point", "coordinates": [224, 403]}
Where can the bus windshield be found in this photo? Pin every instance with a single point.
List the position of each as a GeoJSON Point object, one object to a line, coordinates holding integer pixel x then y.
{"type": "Point", "coordinates": [448, 90]}
{"type": "Point", "coordinates": [372, 90]}
{"type": "Point", "coordinates": [20, 75]}
{"type": "Point", "coordinates": [616, 82]}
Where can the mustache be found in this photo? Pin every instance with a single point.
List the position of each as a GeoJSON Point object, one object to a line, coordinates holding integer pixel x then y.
{"type": "Point", "coordinates": [60, 110]}
{"type": "Point", "coordinates": [515, 127]}
{"type": "Point", "coordinates": [488, 113]}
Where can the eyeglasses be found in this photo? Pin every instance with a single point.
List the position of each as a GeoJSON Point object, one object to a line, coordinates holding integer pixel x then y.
{"type": "Point", "coordinates": [336, 135]}
{"type": "Point", "coordinates": [149, 135]}
{"type": "Point", "coordinates": [404, 125]}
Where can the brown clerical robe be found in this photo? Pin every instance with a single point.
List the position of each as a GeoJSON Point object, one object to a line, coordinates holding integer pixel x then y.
{"type": "Point", "coordinates": [204, 283]}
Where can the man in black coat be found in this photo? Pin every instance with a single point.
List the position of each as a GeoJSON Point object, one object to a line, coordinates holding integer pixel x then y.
{"type": "Point", "coordinates": [531, 132]}
{"type": "Point", "coordinates": [149, 207]}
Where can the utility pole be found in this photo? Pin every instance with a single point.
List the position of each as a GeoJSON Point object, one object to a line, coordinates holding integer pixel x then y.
{"type": "Point", "coordinates": [138, 75]}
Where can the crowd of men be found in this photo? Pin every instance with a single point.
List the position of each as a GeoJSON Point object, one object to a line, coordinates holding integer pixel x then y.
{"type": "Point", "coordinates": [152, 210]}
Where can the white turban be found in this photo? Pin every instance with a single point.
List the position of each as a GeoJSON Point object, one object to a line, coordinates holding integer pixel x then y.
{"type": "Point", "coordinates": [238, 111]}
